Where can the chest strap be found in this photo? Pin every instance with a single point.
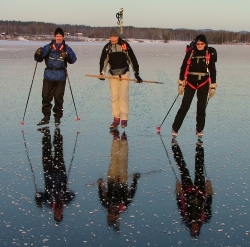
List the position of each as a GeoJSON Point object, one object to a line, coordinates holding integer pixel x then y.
{"type": "Point", "coordinates": [49, 68]}
{"type": "Point", "coordinates": [189, 62]}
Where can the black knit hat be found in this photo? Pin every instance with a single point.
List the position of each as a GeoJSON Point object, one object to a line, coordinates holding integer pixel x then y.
{"type": "Point", "coordinates": [59, 31]}
{"type": "Point", "coordinates": [201, 38]}
{"type": "Point", "coordinates": [113, 33]}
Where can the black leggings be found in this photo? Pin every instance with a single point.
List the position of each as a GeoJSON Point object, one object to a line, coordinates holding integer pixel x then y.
{"type": "Point", "coordinates": [202, 94]}
{"type": "Point", "coordinates": [186, 180]}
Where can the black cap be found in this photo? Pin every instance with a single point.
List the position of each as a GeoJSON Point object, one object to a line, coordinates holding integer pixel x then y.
{"type": "Point", "coordinates": [59, 31]}
{"type": "Point", "coordinates": [201, 38]}
{"type": "Point", "coordinates": [113, 33]}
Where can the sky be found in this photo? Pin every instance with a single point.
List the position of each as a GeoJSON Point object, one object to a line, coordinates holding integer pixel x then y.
{"type": "Point", "coordinates": [229, 15]}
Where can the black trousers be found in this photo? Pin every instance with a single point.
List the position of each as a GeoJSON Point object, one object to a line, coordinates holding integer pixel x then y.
{"type": "Point", "coordinates": [53, 89]}
{"type": "Point", "coordinates": [202, 94]}
{"type": "Point", "coordinates": [53, 163]}
{"type": "Point", "coordinates": [199, 181]}
{"type": "Point", "coordinates": [193, 202]}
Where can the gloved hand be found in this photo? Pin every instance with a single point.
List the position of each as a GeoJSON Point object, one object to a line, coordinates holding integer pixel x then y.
{"type": "Point", "coordinates": [39, 51]}
{"type": "Point", "coordinates": [138, 78]}
{"type": "Point", "coordinates": [178, 187]}
{"type": "Point", "coordinates": [64, 55]}
{"type": "Point", "coordinates": [212, 88]}
{"type": "Point", "coordinates": [100, 182]}
{"type": "Point", "coordinates": [102, 79]}
{"type": "Point", "coordinates": [181, 86]}
{"type": "Point", "coordinates": [136, 175]}
{"type": "Point", "coordinates": [209, 188]}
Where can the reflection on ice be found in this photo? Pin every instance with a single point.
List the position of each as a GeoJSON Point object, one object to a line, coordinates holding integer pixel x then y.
{"type": "Point", "coordinates": [56, 194]}
{"type": "Point", "coordinates": [118, 195]}
{"type": "Point", "coordinates": [194, 199]}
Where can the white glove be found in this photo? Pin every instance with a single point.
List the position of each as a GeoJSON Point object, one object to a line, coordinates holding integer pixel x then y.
{"type": "Point", "coordinates": [212, 88]}
{"type": "Point", "coordinates": [181, 86]}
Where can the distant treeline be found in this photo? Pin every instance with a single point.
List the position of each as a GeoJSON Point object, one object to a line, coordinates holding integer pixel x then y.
{"type": "Point", "coordinates": [41, 28]}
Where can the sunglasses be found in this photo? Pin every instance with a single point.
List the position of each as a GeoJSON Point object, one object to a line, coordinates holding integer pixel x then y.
{"type": "Point", "coordinates": [200, 43]}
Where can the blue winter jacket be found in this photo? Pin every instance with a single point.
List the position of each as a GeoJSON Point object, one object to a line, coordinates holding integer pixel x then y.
{"type": "Point", "coordinates": [55, 65]}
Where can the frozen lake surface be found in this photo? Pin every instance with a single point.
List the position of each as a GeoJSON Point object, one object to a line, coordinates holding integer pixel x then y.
{"type": "Point", "coordinates": [151, 217]}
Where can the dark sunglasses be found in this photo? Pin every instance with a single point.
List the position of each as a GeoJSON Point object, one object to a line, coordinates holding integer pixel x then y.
{"type": "Point", "coordinates": [200, 43]}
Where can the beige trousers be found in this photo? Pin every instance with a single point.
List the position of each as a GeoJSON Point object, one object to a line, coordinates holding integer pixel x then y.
{"type": "Point", "coordinates": [119, 90]}
{"type": "Point", "coordinates": [118, 168]}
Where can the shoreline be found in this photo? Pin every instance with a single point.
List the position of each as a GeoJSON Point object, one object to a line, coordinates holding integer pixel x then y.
{"type": "Point", "coordinates": [48, 38]}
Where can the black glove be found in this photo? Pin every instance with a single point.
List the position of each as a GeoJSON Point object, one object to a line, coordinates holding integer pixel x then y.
{"type": "Point", "coordinates": [138, 78]}
{"type": "Point", "coordinates": [39, 51]}
{"type": "Point", "coordinates": [64, 55]}
{"type": "Point", "coordinates": [136, 175]}
{"type": "Point", "coordinates": [102, 79]}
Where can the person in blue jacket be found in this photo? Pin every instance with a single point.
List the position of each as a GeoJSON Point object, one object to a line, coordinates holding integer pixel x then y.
{"type": "Point", "coordinates": [56, 56]}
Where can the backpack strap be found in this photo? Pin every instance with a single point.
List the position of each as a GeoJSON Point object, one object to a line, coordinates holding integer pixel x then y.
{"type": "Point", "coordinates": [207, 59]}
{"type": "Point", "coordinates": [61, 49]}
{"type": "Point", "coordinates": [122, 44]}
{"type": "Point", "coordinates": [49, 51]}
{"type": "Point", "coordinates": [208, 55]}
{"type": "Point", "coordinates": [187, 70]}
{"type": "Point", "coordinates": [188, 65]}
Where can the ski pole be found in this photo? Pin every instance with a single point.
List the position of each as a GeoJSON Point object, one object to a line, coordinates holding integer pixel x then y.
{"type": "Point", "coordinates": [131, 175]}
{"type": "Point", "coordinates": [27, 153]}
{"type": "Point", "coordinates": [126, 79]}
{"type": "Point", "coordinates": [207, 103]}
{"type": "Point", "coordinates": [29, 93]}
{"type": "Point", "coordinates": [77, 118]}
{"type": "Point", "coordinates": [208, 91]}
{"type": "Point", "coordinates": [73, 156]}
{"type": "Point", "coordinates": [159, 127]}
{"type": "Point", "coordinates": [169, 158]}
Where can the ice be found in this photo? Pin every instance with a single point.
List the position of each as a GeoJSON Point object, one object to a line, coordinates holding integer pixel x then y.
{"type": "Point", "coordinates": [153, 211]}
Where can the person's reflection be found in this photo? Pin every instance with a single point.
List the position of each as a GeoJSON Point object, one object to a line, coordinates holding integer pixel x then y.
{"type": "Point", "coordinates": [55, 194]}
{"type": "Point", "coordinates": [117, 196]}
{"type": "Point", "coordinates": [194, 200]}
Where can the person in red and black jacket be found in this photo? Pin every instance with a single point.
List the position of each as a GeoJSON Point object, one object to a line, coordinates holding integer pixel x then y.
{"type": "Point", "coordinates": [119, 55]}
{"type": "Point", "coordinates": [197, 74]}
{"type": "Point", "coordinates": [194, 199]}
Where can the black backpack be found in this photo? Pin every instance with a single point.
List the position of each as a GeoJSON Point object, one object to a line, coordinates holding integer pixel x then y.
{"type": "Point", "coordinates": [213, 54]}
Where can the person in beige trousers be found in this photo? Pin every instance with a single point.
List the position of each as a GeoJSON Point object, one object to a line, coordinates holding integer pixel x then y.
{"type": "Point", "coordinates": [118, 54]}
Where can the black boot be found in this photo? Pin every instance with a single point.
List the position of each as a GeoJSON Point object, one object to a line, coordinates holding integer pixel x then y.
{"type": "Point", "coordinates": [45, 120]}
{"type": "Point", "coordinates": [57, 121]}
